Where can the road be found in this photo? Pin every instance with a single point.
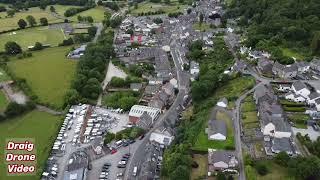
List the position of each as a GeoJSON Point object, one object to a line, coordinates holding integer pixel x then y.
{"type": "Point", "coordinates": [99, 29]}
{"type": "Point", "coordinates": [183, 83]}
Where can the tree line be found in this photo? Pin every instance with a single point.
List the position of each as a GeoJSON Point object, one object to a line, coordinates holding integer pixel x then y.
{"type": "Point", "coordinates": [25, 4]}
{"type": "Point", "coordinates": [177, 162]}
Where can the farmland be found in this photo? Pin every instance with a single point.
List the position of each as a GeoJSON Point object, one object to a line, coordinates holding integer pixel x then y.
{"type": "Point", "coordinates": [3, 101]}
{"type": "Point", "coordinates": [28, 37]}
{"type": "Point", "coordinates": [41, 126]}
{"type": "Point", "coordinates": [8, 23]}
{"type": "Point", "coordinates": [153, 7]}
{"type": "Point", "coordinates": [48, 72]}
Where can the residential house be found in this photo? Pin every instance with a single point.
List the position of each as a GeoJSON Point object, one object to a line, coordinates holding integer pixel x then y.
{"type": "Point", "coordinates": [302, 66]}
{"type": "Point", "coordinates": [282, 145]}
{"type": "Point", "coordinates": [145, 121]}
{"type": "Point", "coordinates": [299, 88]}
{"type": "Point", "coordinates": [265, 65]}
{"type": "Point", "coordinates": [263, 93]}
{"type": "Point", "coordinates": [217, 130]}
{"type": "Point", "coordinates": [162, 135]}
{"type": "Point", "coordinates": [317, 104]}
{"type": "Point", "coordinates": [153, 81]}
{"type": "Point", "coordinates": [151, 90]}
{"type": "Point", "coordinates": [221, 161]}
{"type": "Point", "coordinates": [284, 87]}
{"type": "Point", "coordinates": [223, 102]}
{"type": "Point", "coordinates": [285, 72]}
{"type": "Point", "coordinates": [274, 126]}
{"type": "Point", "coordinates": [312, 97]}
{"type": "Point", "coordinates": [315, 64]}
{"type": "Point", "coordinates": [194, 70]}
{"type": "Point", "coordinates": [294, 97]}
{"type": "Point", "coordinates": [174, 82]}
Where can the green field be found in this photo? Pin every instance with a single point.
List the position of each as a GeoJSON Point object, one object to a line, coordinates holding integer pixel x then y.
{"type": "Point", "coordinates": [48, 72]}
{"type": "Point", "coordinates": [291, 53]}
{"type": "Point", "coordinates": [7, 23]}
{"type": "Point", "coordinates": [60, 9]}
{"type": "Point", "coordinates": [4, 76]}
{"type": "Point", "coordinates": [201, 27]}
{"type": "Point", "coordinates": [41, 126]}
{"type": "Point", "coordinates": [3, 101]}
{"type": "Point", "coordinates": [153, 7]}
{"type": "Point", "coordinates": [96, 13]}
{"type": "Point", "coordinates": [276, 172]}
{"type": "Point", "coordinates": [28, 37]}
{"type": "Point", "coordinates": [202, 161]}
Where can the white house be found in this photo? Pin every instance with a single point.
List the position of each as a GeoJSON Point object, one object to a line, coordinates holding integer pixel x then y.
{"type": "Point", "coordinates": [222, 103]}
{"type": "Point", "coordinates": [284, 87]}
{"type": "Point", "coordinates": [274, 126]}
{"type": "Point", "coordinates": [294, 97]}
{"type": "Point", "coordinates": [300, 88]}
{"type": "Point", "coordinates": [217, 130]}
{"type": "Point", "coordinates": [162, 135]}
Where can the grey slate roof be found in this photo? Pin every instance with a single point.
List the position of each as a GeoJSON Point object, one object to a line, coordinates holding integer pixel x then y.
{"type": "Point", "coordinates": [145, 121]}
{"type": "Point", "coordinates": [136, 86]}
{"type": "Point", "coordinates": [298, 85]}
{"type": "Point", "coordinates": [152, 89]}
{"type": "Point", "coordinates": [217, 126]}
{"type": "Point", "coordinates": [313, 95]}
{"type": "Point", "coordinates": [224, 156]}
{"type": "Point", "coordinates": [281, 144]}
{"type": "Point", "coordinates": [317, 101]}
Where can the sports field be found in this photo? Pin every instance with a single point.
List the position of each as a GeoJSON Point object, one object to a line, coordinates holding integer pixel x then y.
{"type": "Point", "coordinates": [146, 6]}
{"type": "Point", "coordinates": [28, 37]}
{"type": "Point", "coordinates": [41, 126]}
{"type": "Point", "coordinates": [96, 13]}
{"type": "Point", "coordinates": [7, 23]}
{"type": "Point", "coordinates": [48, 72]}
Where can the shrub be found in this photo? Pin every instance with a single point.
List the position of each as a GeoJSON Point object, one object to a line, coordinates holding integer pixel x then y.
{"type": "Point", "coordinates": [261, 168]}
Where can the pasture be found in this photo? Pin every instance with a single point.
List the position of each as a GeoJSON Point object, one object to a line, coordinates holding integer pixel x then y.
{"type": "Point", "coordinates": [8, 23]}
{"type": "Point", "coordinates": [3, 101]}
{"type": "Point", "coordinates": [48, 72]}
{"type": "Point", "coordinates": [153, 7]}
{"type": "Point", "coordinates": [41, 126]}
{"type": "Point", "coordinates": [28, 37]}
{"type": "Point", "coordinates": [96, 13]}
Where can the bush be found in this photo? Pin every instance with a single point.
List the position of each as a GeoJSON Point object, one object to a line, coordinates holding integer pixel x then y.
{"type": "Point", "coordinates": [108, 138]}
{"type": "Point", "coordinates": [118, 82]}
{"type": "Point", "coordinates": [261, 168]}
{"type": "Point", "coordinates": [67, 42]}
{"type": "Point", "coordinates": [294, 109]}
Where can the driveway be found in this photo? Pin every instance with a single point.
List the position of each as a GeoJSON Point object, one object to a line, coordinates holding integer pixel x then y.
{"type": "Point", "coordinates": [310, 131]}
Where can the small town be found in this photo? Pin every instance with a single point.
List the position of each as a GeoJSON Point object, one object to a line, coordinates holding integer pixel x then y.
{"type": "Point", "coordinates": [168, 90]}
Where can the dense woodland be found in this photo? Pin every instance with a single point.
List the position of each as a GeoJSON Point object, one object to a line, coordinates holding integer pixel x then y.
{"type": "Point", "coordinates": [280, 23]}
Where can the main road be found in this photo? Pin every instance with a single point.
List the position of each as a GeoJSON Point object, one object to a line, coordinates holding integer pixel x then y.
{"type": "Point", "coordinates": [138, 155]}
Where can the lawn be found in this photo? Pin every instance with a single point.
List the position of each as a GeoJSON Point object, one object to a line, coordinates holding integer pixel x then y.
{"type": "Point", "coordinates": [153, 7]}
{"type": "Point", "coordinates": [8, 23]}
{"type": "Point", "coordinates": [291, 53]}
{"type": "Point", "coordinates": [48, 72]}
{"type": "Point", "coordinates": [299, 120]}
{"type": "Point", "coordinates": [201, 27]}
{"type": "Point", "coordinates": [28, 37]}
{"type": "Point", "coordinates": [96, 13]}
{"type": "Point", "coordinates": [3, 101]}
{"type": "Point", "coordinates": [41, 126]}
{"type": "Point", "coordinates": [203, 143]}
{"type": "Point", "coordinates": [3, 76]}
{"type": "Point", "coordinates": [201, 171]}
{"type": "Point", "coordinates": [276, 172]}
{"type": "Point", "coordinates": [231, 90]}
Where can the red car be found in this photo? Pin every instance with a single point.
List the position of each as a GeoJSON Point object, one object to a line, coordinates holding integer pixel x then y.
{"type": "Point", "coordinates": [113, 151]}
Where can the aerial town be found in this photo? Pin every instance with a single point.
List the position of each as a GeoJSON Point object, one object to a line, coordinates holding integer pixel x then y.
{"type": "Point", "coordinates": [147, 90]}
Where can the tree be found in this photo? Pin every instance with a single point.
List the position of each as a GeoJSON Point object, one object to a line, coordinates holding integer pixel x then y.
{"type": "Point", "coordinates": [22, 24]}
{"type": "Point", "coordinates": [261, 168]}
{"type": "Point", "coordinates": [31, 20]}
{"type": "Point", "coordinates": [12, 48]}
{"type": "Point", "coordinates": [72, 97]}
{"type": "Point", "coordinates": [315, 43]}
{"type": "Point", "coordinates": [305, 167]}
{"type": "Point", "coordinates": [221, 176]}
{"type": "Point", "coordinates": [181, 1]}
{"type": "Point", "coordinates": [157, 20]}
{"type": "Point", "coordinates": [189, 11]}
{"type": "Point", "coordinates": [282, 159]}
{"type": "Point", "coordinates": [14, 109]}
{"type": "Point", "coordinates": [108, 138]}
{"type": "Point", "coordinates": [44, 21]}
{"type": "Point", "coordinates": [11, 13]}
{"type": "Point", "coordinates": [201, 17]}
{"type": "Point", "coordinates": [3, 9]}
{"type": "Point", "coordinates": [167, 1]}
{"type": "Point", "coordinates": [80, 18]}
{"type": "Point", "coordinates": [89, 19]}
{"type": "Point", "coordinates": [92, 31]}
{"type": "Point", "coordinates": [52, 9]}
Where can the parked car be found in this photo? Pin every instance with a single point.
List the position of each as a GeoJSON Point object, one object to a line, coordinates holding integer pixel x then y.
{"type": "Point", "coordinates": [119, 174]}
{"type": "Point", "coordinates": [141, 137]}
{"type": "Point", "coordinates": [131, 141]}
{"type": "Point", "coordinates": [121, 166]}
{"type": "Point", "coordinates": [113, 151]}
